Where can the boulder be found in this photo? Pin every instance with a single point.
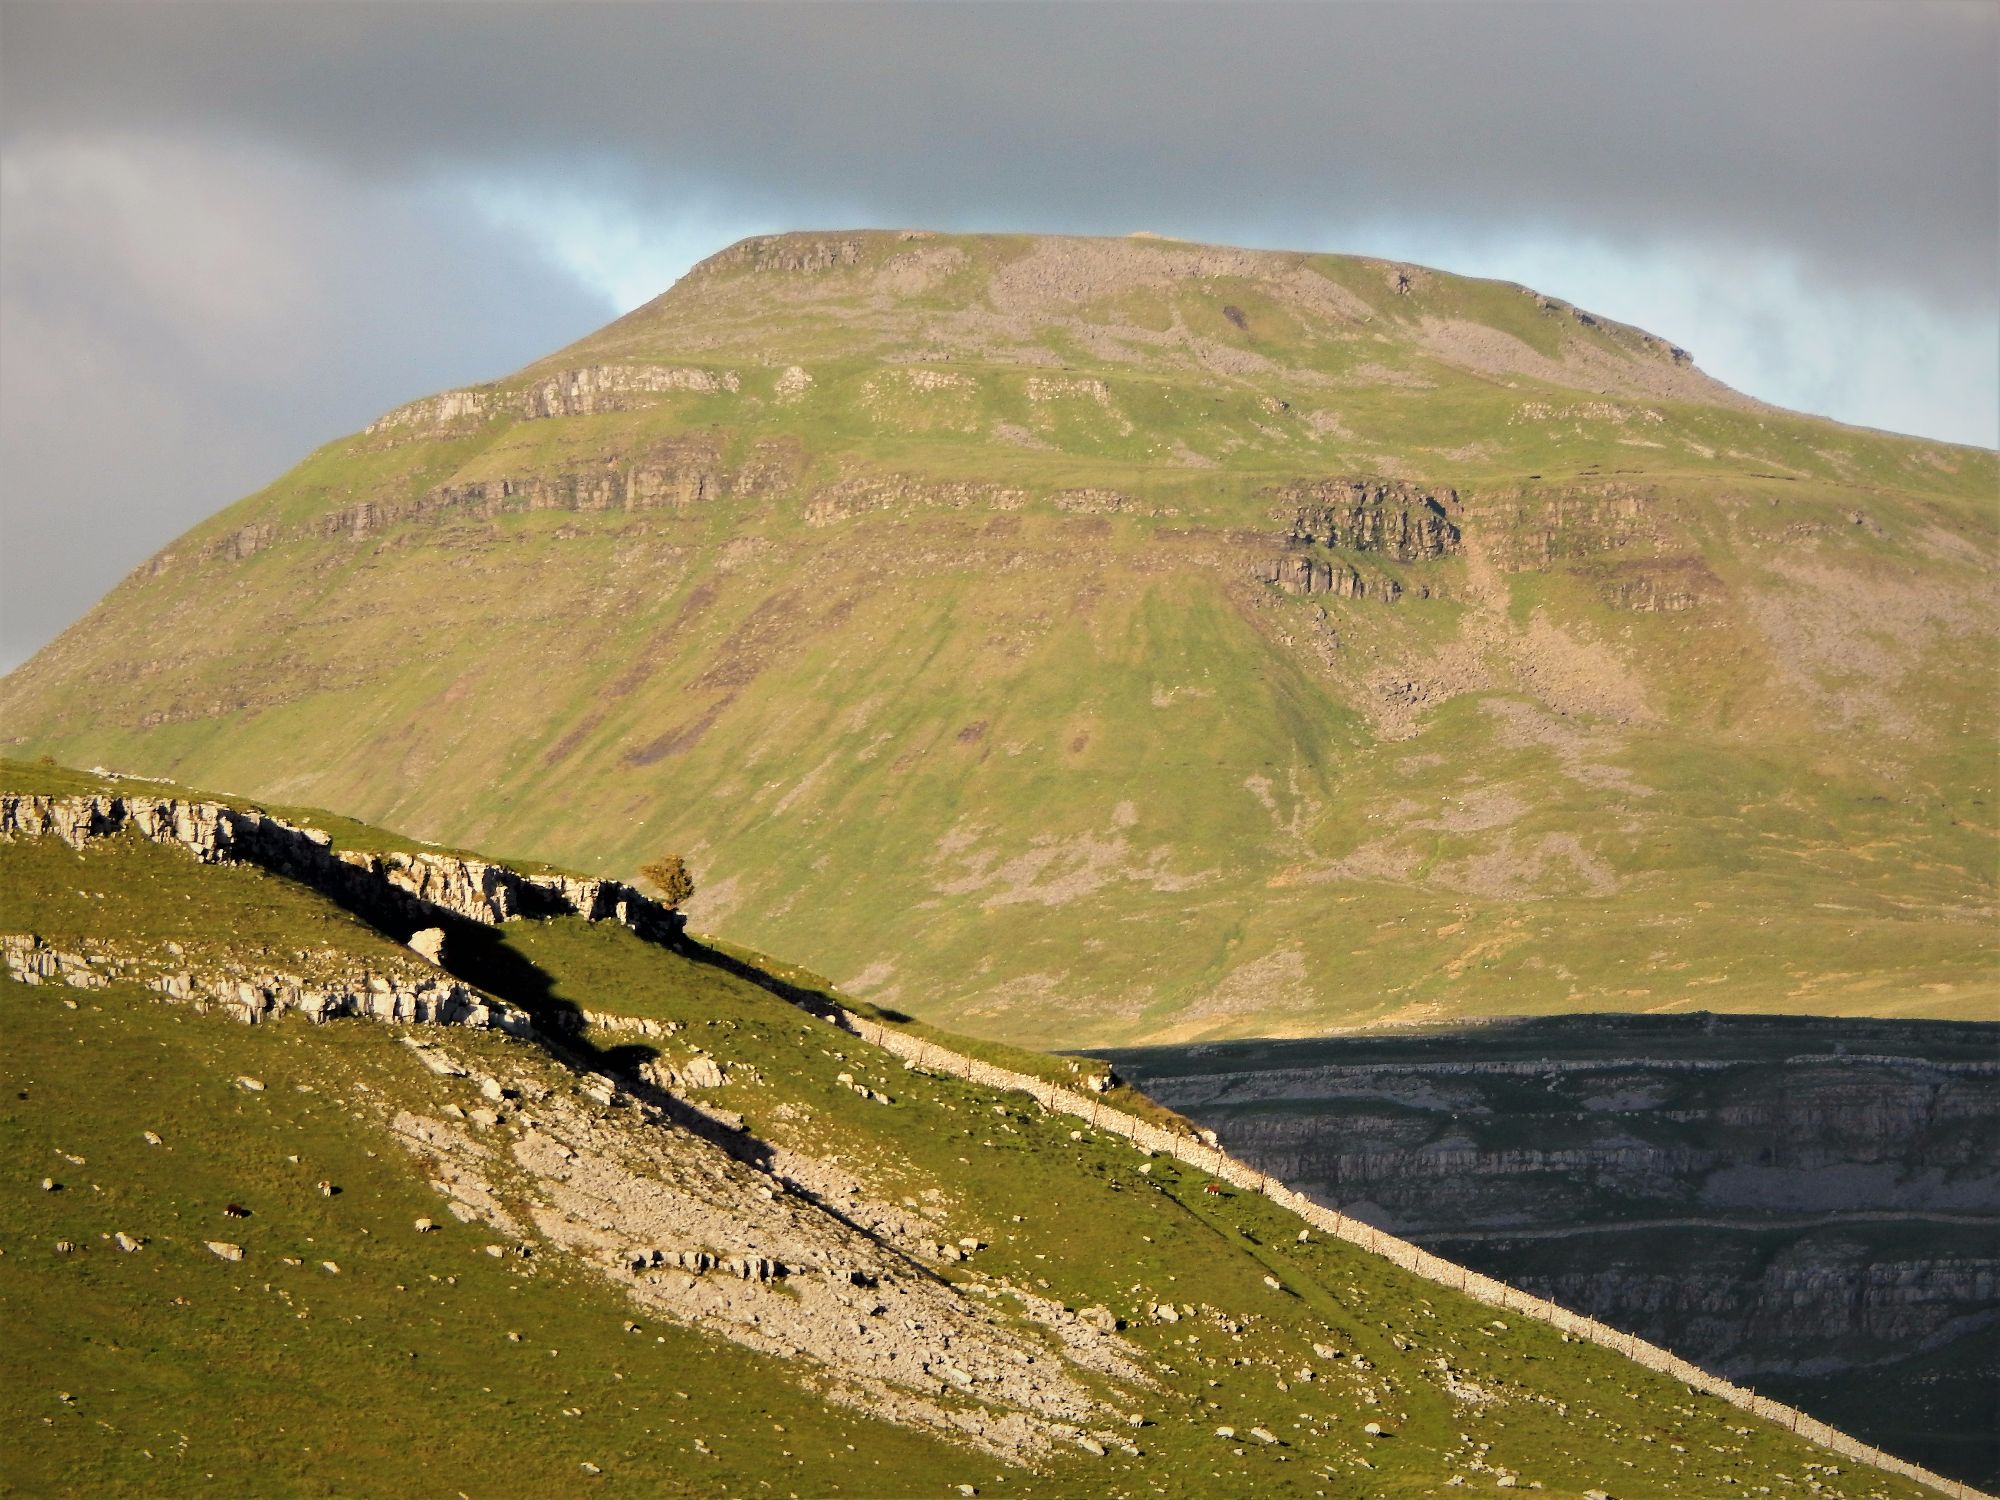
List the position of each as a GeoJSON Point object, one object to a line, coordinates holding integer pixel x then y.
{"type": "Point", "coordinates": [703, 1073]}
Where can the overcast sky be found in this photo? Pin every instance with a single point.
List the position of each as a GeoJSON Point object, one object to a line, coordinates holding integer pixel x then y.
{"type": "Point", "coordinates": [231, 232]}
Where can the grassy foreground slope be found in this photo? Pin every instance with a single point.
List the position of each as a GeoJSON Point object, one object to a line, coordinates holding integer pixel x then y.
{"type": "Point", "coordinates": [348, 1353]}
{"type": "Point", "coordinates": [995, 622]}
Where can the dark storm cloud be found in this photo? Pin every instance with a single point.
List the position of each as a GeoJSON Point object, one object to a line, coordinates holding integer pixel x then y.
{"type": "Point", "coordinates": [1861, 136]}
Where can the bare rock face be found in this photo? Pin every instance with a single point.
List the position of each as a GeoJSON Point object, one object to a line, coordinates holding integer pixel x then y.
{"type": "Point", "coordinates": [434, 415]}
{"type": "Point", "coordinates": [575, 393]}
{"type": "Point", "coordinates": [1536, 528]}
{"type": "Point", "coordinates": [407, 890]}
{"type": "Point", "coordinates": [1766, 1196]}
{"type": "Point", "coordinates": [698, 1072]}
{"type": "Point", "coordinates": [1358, 515]}
{"type": "Point", "coordinates": [805, 252]}
{"type": "Point", "coordinates": [1334, 521]}
{"type": "Point", "coordinates": [398, 891]}
{"type": "Point", "coordinates": [1300, 573]}
{"type": "Point", "coordinates": [1671, 585]}
{"type": "Point", "coordinates": [256, 996]}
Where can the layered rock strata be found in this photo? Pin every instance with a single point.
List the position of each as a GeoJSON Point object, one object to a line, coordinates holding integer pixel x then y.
{"type": "Point", "coordinates": [253, 996]}
{"type": "Point", "coordinates": [400, 892]}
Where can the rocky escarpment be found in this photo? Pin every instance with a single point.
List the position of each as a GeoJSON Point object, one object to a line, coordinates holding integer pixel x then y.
{"type": "Point", "coordinates": [257, 993]}
{"type": "Point", "coordinates": [567, 393]}
{"type": "Point", "coordinates": [1333, 519]}
{"type": "Point", "coordinates": [405, 895]}
{"type": "Point", "coordinates": [1462, 1148]}
{"type": "Point", "coordinates": [1811, 1301]}
{"type": "Point", "coordinates": [399, 892]}
{"type": "Point", "coordinates": [1670, 585]}
{"type": "Point", "coordinates": [788, 252]}
{"type": "Point", "coordinates": [1399, 520]}
{"type": "Point", "coordinates": [1770, 1198]}
{"type": "Point", "coordinates": [1535, 526]}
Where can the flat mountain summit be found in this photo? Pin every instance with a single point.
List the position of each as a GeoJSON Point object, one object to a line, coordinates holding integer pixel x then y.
{"type": "Point", "coordinates": [1100, 641]}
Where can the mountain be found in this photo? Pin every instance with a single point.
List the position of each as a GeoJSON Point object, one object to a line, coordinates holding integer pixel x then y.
{"type": "Point", "coordinates": [1111, 641]}
{"type": "Point", "coordinates": [512, 1189]}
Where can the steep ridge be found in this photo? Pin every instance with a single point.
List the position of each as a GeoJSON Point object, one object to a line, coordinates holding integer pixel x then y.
{"type": "Point", "coordinates": [593, 1161]}
{"type": "Point", "coordinates": [1064, 630]}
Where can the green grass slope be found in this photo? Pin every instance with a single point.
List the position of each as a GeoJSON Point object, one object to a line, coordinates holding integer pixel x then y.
{"type": "Point", "coordinates": [917, 588]}
{"type": "Point", "coordinates": [425, 1362]}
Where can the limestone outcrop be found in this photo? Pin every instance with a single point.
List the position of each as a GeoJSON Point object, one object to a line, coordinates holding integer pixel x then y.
{"type": "Point", "coordinates": [446, 411]}
{"type": "Point", "coordinates": [1672, 585]}
{"type": "Point", "coordinates": [567, 393]}
{"type": "Point", "coordinates": [671, 475]}
{"type": "Point", "coordinates": [401, 892]}
{"type": "Point", "coordinates": [1302, 573]}
{"type": "Point", "coordinates": [1332, 521]}
{"type": "Point", "coordinates": [785, 252]}
{"type": "Point", "coordinates": [578, 393]}
{"type": "Point", "coordinates": [253, 996]}
{"type": "Point", "coordinates": [1401, 521]}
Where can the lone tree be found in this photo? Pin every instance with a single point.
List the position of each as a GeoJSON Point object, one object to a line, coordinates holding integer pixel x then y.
{"type": "Point", "coordinates": [669, 876]}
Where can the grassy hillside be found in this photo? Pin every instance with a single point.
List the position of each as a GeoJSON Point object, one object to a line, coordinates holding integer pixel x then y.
{"type": "Point", "coordinates": [920, 590]}
{"type": "Point", "coordinates": [502, 1352]}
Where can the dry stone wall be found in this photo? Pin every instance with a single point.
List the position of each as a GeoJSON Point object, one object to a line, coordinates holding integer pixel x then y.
{"type": "Point", "coordinates": [1219, 1164]}
{"type": "Point", "coordinates": [421, 887]}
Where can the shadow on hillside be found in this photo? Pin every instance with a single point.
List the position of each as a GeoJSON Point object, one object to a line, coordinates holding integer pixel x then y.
{"type": "Point", "coordinates": [809, 1000]}
{"type": "Point", "coordinates": [1695, 1036]}
{"type": "Point", "coordinates": [817, 1002]}
{"type": "Point", "coordinates": [481, 955]}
